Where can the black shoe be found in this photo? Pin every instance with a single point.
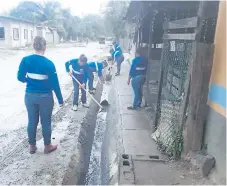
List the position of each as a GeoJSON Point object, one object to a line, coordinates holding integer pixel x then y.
{"type": "Point", "coordinates": [91, 91]}
{"type": "Point", "coordinates": [131, 108]}
{"type": "Point", "coordinates": [117, 74]}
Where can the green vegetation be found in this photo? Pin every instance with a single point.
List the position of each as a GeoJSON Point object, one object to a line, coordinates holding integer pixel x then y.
{"type": "Point", "coordinates": [51, 13]}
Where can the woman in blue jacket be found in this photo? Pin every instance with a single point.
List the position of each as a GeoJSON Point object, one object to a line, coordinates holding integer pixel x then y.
{"type": "Point", "coordinates": [79, 70]}
{"type": "Point", "coordinates": [117, 56]}
{"type": "Point", "coordinates": [40, 75]}
{"type": "Point", "coordinates": [95, 67]}
{"type": "Point", "coordinates": [137, 77]}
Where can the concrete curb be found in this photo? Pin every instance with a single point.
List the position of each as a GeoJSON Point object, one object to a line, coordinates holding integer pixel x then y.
{"type": "Point", "coordinates": [79, 162]}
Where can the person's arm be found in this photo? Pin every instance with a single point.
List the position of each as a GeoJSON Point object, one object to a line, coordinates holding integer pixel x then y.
{"type": "Point", "coordinates": [115, 53]}
{"type": "Point", "coordinates": [53, 77]}
{"type": "Point", "coordinates": [131, 71]}
{"type": "Point", "coordinates": [21, 74]}
{"type": "Point", "coordinates": [100, 75]}
{"type": "Point", "coordinates": [67, 64]}
{"type": "Point", "coordinates": [100, 68]}
{"type": "Point", "coordinates": [85, 74]}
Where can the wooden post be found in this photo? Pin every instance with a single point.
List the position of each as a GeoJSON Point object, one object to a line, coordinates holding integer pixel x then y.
{"type": "Point", "coordinates": [149, 59]}
{"type": "Point", "coordinates": [199, 88]}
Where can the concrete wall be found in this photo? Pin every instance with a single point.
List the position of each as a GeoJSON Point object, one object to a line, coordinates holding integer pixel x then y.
{"type": "Point", "coordinates": [51, 36]}
{"type": "Point", "coordinates": [56, 37]}
{"type": "Point", "coordinates": [6, 43]}
{"type": "Point", "coordinates": [9, 41]}
{"type": "Point", "coordinates": [215, 128]}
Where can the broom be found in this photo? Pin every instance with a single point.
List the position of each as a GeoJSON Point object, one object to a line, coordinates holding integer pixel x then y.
{"type": "Point", "coordinates": [100, 106]}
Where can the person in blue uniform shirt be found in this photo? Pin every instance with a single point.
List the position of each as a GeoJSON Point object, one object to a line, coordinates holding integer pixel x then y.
{"type": "Point", "coordinates": [40, 75]}
{"type": "Point", "coordinates": [95, 67]}
{"type": "Point", "coordinates": [117, 56]}
{"type": "Point", "coordinates": [79, 70]}
{"type": "Point", "coordinates": [137, 77]}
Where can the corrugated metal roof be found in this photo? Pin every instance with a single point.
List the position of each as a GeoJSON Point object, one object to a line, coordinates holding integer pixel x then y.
{"type": "Point", "coordinates": [15, 19]}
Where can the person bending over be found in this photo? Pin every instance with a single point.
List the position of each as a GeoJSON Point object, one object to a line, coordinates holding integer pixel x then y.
{"type": "Point", "coordinates": [78, 69]}
{"type": "Point", "coordinates": [95, 67]}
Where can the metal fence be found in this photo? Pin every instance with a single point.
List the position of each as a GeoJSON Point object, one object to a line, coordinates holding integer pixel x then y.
{"type": "Point", "coordinates": [175, 66]}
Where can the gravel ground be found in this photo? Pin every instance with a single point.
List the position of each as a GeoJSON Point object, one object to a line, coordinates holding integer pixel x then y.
{"type": "Point", "coordinates": [17, 166]}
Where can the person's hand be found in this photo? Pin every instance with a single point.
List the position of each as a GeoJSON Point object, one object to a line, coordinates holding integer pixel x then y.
{"type": "Point", "coordinates": [101, 80]}
{"type": "Point", "coordinates": [128, 82]}
{"type": "Point", "coordinates": [83, 85]}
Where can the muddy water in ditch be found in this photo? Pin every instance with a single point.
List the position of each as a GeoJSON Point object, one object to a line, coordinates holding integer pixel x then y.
{"type": "Point", "coordinates": [93, 176]}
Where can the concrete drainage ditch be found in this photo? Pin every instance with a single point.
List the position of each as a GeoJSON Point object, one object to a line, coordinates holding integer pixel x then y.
{"type": "Point", "coordinates": [86, 167]}
{"type": "Point", "coordinates": [100, 144]}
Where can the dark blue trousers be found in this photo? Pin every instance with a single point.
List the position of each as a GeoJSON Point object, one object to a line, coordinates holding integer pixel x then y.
{"type": "Point", "coordinates": [76, 92]}
{"type": "Point", "coordinates": [90, 79]}
{"type": "Point", "coordinates": [119, 60]}
{"type": "Point", "coordinates": [137, 85]}
{"type": "Point", "coordinates": [39, 105]}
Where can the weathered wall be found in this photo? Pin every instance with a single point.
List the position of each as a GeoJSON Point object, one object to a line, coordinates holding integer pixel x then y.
{"type": "Point", "coordinates": [7, 41]}
{"type": "Point", "coordinates": [22, 41]}
{"type": "Point", "coordinates": [215, 128]}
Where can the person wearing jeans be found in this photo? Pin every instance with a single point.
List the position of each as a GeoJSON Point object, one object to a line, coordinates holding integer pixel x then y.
{"type": "Point", "coordinates": [117, 56]}
{"type": "Point", "coordinates": [137, 85]}
{"type": "Point", "coordinates": [137, 77]}
{"type": "Point", "coordinates": [39, 104]}
{"type": "Point", "coordinates": [76, 93]}
{"type": "Point", "coordinates": [79, 71]}
{"type": "Point", "coordinates": [95, 67]}
{"type": "Point", "coordinates": [40, 75]}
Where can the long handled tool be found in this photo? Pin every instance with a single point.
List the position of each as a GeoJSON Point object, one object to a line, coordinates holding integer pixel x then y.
{"type": "Point", "coordinates": [87, 92]}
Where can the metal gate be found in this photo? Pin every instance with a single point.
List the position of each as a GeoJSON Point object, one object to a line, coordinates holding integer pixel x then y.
{"type": "Point", "coordinates": [178, 41]}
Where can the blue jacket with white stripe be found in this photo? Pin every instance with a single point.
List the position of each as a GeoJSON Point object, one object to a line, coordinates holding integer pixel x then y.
{"type": "Point", "coordinates": [96, 67]}
{"type": "Point", "coordinates": [117, 52]}
{"type": "Point", "coordinates": [138, 66]}
{"type": "Point", "coordinates": [40, 75]}
{"type": "Point", "coordinates": [79, 72]}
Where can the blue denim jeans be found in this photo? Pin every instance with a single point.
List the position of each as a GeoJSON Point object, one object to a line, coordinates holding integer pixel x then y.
{"type": "Point", "coordinates": [76, 92]}
{"type": "Point", "coordinates": [137, 85]}
{"type": "Point", "coordinates": [90, 79]}
{"type": "Point", "coordinates": [39, 105]}
{"type": "Point", "coordinates": [119, 60]}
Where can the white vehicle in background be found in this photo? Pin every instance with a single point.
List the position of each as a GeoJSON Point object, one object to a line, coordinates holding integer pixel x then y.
{"type": "Point", "coordinates": [109, 41]}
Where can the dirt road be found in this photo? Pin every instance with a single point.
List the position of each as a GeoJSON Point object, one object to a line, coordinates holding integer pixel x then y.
{"type": "Point", "coordinates": [13, 116]}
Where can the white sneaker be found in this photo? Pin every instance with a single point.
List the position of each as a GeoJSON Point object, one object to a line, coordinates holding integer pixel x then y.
{"type": "Point", "coordinates": [75, 107]}
{"type": "Point", "coordinates": [85, 105]}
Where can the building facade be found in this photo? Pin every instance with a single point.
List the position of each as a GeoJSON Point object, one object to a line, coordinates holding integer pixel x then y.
{"type": "Point", "coordinates": [49, 33]}
{"type": "Point", "coordinates": [187, 47]}
{"type": "Point", "coordinates": [215, 126]}
{"type": "Point", "coordinates": [15, 33]}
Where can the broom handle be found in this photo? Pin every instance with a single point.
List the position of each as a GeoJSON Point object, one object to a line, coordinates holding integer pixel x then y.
{"type": "Point", "coordinates": [87, 92]}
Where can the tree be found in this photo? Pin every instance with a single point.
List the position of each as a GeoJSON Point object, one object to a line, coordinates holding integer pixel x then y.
{"type": "Point", "coordinates": [114, 13]}
{"type": "Point", "coordinates": [51, 13]}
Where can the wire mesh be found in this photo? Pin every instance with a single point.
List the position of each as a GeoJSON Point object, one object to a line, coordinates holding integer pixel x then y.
{"type": "Point", "coordinates": [176, 59]}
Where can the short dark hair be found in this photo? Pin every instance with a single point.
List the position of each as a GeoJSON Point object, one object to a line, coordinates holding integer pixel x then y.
{"type": "Point", "coordinates": [105, 63]}
{"type": "Point", "coordinates": [83, 58]}
{"type": "Point", "coordinates": [139, 51]}
{"type": "Point", "coordinates": [39, 43]}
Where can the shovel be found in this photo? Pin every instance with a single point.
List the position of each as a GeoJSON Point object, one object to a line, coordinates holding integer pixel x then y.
{"type": "Point", "coordinates": [104, 102]}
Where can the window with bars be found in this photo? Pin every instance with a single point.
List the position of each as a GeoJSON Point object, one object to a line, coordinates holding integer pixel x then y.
{"type": "Point", "coordinates": [25, 34]}
{"type": "Point", "coordinates": [2, 33]}
{"type": "Point", "coordinates": [31, 34]}
{"type": "Point", "coordinates": [15, 33]}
